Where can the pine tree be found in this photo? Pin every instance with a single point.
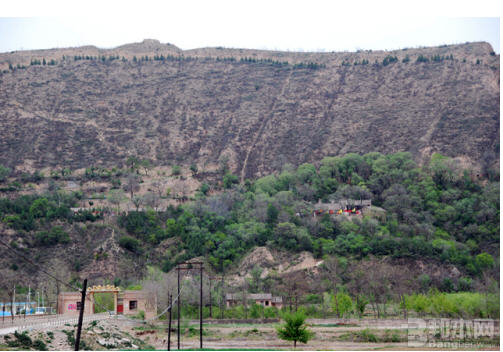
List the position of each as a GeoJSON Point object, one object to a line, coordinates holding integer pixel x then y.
{"type": "Point", "coordinates": [295, 329]}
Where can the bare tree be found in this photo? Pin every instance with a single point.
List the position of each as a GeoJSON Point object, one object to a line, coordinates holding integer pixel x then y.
{"type": "Point", "coordinates": [159, 187]}
{"type": "Point", "coordinates": [116, 196]}
{"type": "Point", "coordinates": [146, 164]}
{"type": "Point", "coordinates": [60, 270]}
{"type": "Point", "coordinates": [180, 190]}
{"type": "Point", "coordinates": [374, 279]}
{"type": "Point", "coordinates": [9, 280]}
{"type": "Point", "coordinates": [160, 284]}
{"type": "Point", "coordinates": [132, 184]}
{"type": "Point", "coordinates": [403, 283]}
{"type": "Point", "coordinates": [152, 200]}
{"type": "Point", "coordinates": [332, 273]}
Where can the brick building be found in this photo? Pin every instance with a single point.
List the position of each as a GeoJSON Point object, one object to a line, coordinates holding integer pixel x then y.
{"type": "Point", "coordinates": [125, 302]}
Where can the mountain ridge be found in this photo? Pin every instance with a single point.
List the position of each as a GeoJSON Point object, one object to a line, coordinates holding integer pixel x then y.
{"type": "Point", "coordinates": [256, 109]}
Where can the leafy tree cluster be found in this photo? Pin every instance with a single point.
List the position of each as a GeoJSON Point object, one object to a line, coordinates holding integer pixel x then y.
{"type": "Point", "coordinates": [145, 226]}
{"type": "Point", "coordinates": [438, 211]}
{"type": "Point", "coordinates": [30, 212]}
{"type": "Point", "coordinates": [467, 305]}
{"type": "Point", "coordinates": [50, 238]}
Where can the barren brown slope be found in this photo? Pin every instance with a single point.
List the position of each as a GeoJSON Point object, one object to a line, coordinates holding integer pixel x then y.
{"type": "Point", "coordinates": [261, 115]}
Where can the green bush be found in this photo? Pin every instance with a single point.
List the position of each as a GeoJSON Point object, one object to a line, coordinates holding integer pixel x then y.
{"type": "Point", "coordinates": [229, 180]}
{"type": "Point", "coordinates": [176, 170]}
{"type": "Point", "coordinates": [4, 173]}
{"type": "Point", "coordinates": [365, 336]}
{"type": "Point", "coordinates": [130, 243]}
{"type": "Point", "coordinates": [55, 236]}
{"type": "Point", "coordinates": [40, 345]}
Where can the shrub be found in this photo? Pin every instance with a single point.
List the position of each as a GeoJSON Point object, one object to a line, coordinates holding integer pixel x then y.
{"type": "Point", "coordinates": [4, 173]}
{"type": "Point", "coordinates": [23, 339]}
{"type": "Point", "coordinates": [229, 180]}
{"type": "Point", "coordinates": [130, 243]}
{"type": "Point", "coordinates": [389, 60]}
{"type": "Point", "coordinates": [40, 345]}
{"type": "Point", "coordinates": [422, 58]}
{"type": "Point", "coordinates": [55, 236]}
{"type": "Point", "coordinates": [176, 170]}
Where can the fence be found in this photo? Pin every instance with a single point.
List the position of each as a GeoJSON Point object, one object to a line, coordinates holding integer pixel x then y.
{"type": "Point", "coordinates": [10, 325]}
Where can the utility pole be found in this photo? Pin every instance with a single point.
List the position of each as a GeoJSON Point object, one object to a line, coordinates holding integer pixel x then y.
{"type": "Point", "coordinates": [81, 315]}
{"type": "Point", "coordinates": [201, 310]}
{"type": "Point", "coordinates": [170, 302]}
{"type": "Point", "coordinates": [13, 307]}
{"type": "Point", "coordinates": [178, 310]}
{"type": "Point", "coordinates": [29, 297]}
{"type": "Point", "coordinates": [189, 266]}
{"type": "Point", "coordinates": [211, 313]}
{"type": "Point", "coordinates": [223, 298]}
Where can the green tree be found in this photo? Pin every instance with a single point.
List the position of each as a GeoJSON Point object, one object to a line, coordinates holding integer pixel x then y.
{"type": "Point", "coordinates": [133, 162]}
{"type": "Point", "coordinates": [229, 179]}
{"type": "Point", "coordinates": [146, 164]}
{"type": "Point", "coordinates": [254, 282]}
{"type": "Point", "coordinates": [295, 329]}
{"type": "Point", "coordinates": [130, 243]}
{"type": "Point", "coordinates": [39, 208]}
{"type": "Point", "coordinates": [360, 304]}
{"type": "Point", "coordinates": [484, 261]}
{"type": "Point", "coordinates": [272, 214]}
{"type": "Point", "coordinates": [4, 173]}
{"type": "Point", "coordinates": [342, 304]}
{"type": "Point", "coordinates": [306, 173]}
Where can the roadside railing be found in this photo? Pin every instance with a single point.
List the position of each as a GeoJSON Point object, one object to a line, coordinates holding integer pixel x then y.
{"type": "Point", "coordinates": [40, 322]}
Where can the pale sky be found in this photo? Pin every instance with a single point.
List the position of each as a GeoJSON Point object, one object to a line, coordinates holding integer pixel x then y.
{"type": "Point", "coordinates": [295, 25]}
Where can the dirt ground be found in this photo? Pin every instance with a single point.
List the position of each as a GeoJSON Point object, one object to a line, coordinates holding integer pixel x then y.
{"type": "Point", "coordinates": [125, 334]}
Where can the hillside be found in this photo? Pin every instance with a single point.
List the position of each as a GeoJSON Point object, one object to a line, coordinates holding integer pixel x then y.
{"type": "Point", "coordinates": [257, 109]}
{"type": "Point", "coordinates": [439, 220]}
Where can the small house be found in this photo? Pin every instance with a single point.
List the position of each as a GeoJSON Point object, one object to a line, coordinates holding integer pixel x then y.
{"type": "Point", "coordinates": [264, 299]}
